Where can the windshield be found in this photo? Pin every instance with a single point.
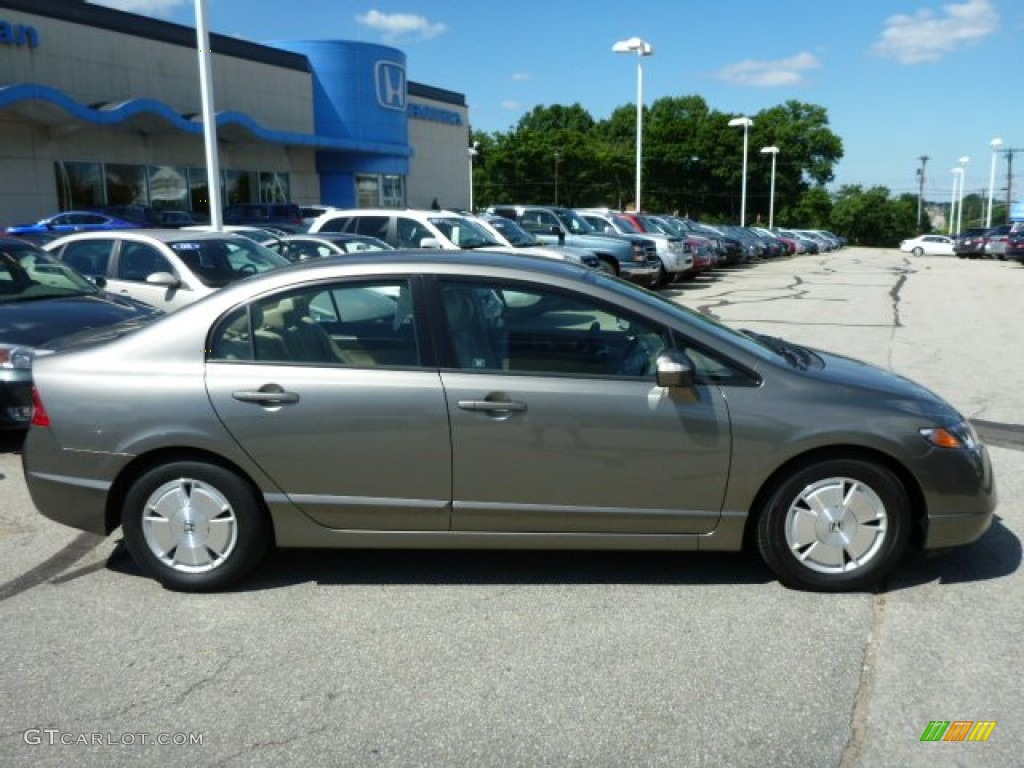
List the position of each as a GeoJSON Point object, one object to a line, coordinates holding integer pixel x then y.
{"type": "Point", "coordinates": [574, 223]}
{"type": "Point", "coordinates": [26, 274]}
{"type": "Point", "coordinates": [218, 262]}
{"type": "Point", "coordinates": [512, 232]}
{"type": "Point", "coordinates": [463, 232]}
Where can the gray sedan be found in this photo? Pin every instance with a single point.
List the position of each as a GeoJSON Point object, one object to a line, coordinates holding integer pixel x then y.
{"type": "Point", "coordinates": [487, 400]}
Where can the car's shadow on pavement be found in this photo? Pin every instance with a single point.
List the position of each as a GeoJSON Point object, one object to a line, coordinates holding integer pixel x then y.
{"type": "Point", "coordinates": [11, 441]}
{"type": "Point", "coordinates": [340, 567]}
{"type": "Point", "coordinates": [997, 554]}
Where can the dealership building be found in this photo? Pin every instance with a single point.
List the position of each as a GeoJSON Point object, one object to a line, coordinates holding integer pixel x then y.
{"type": "Point", "coordinates": [102, 107]}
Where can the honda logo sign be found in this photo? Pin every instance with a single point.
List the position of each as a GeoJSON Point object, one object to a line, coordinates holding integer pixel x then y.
{"type": "Point", "coordinates": [390, 77]}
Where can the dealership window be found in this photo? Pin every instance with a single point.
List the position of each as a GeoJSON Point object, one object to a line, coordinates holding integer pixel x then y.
{"type": "Point", "coordinates": [380, 191]}
{"type": "Point", "coordinates": [79, 185]}
{"type": "Point", "coordinates": [274, 188]}
{"type": "Point", "coordinates": [126, 184]}
{"type": "Point", "coordinates": [168, 188]}
{"type": "Point", "coordinates": [162, 187]}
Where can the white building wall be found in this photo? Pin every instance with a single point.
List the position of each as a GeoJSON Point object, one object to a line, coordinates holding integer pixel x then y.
{"type": "Point", "coordinates": [439, 168]}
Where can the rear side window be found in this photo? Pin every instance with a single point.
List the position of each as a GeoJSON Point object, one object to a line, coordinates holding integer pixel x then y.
{"type": "Point", "coordinates": [89, 257]}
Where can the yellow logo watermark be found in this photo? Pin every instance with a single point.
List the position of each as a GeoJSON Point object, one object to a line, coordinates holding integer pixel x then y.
{"type": "Point", "coordinates": [958, 730]}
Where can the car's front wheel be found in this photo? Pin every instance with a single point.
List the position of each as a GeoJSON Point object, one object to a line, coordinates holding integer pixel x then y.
{"type": "Point", "coordinates": [835, 525]}
{"type": "Point", "coordinates": [194, 526]}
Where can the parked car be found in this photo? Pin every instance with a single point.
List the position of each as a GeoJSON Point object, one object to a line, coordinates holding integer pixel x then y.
{"type": "Point", "coordinates": [1015, 242]}
{"type": "Point", "coordinates": [455, 399]}
{"type": "Point", "coordinates": [514, 236]}
{"type": "Point", "coordinates": [315, 246]}
{"type": "Point", "coordinates": [928, 245]}
{"type": "Point", "coordinates": [409, 228]}
{"type": "Point", "coordinates": [995, 242]}
{"type": "Point", "coordinates": [41, 300]}
{"type": "Point", "coordinates": [673, 252]}
{"type": "Point", "coordinates": [311, 213]}
{"type": "Point", "coordinates": [632, 257]}
{"type": "Point", "coordinates": [73, 221]}
{"type": "Point", "coordinates": [166, 268]}
{"type": "Point", "coordinates": [970, 244]}
{"type": "Point", "coordinates": [284, 216]}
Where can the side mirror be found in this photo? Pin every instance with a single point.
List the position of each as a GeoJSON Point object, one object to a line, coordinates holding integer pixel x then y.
{"type": "Point", "coordinates": [560, 233]}
{"type": "Point", "coordinates": [673, 370]}
{"type": "Point", "coordinates": [430, 242]}
{"type": "Point", "coordinates": [99, 281]}
{"type": "Point", "coordinates": [163, 278]}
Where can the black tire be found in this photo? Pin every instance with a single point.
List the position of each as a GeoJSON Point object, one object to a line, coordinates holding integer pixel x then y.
{"type": "Point", "coordinates": [662, 278]}
{"type": "Point", "coordinates": [918, 251]}
{"type": "Point", "coordinates": [874, 526]}
{"type": "Point", "coordinates": [224, 519]}
{"type": "Point", "coordinates": [607, 266]}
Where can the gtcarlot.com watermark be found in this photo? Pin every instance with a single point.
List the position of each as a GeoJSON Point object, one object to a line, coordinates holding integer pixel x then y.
{"type": "Point", "coordinates": [56, 737]}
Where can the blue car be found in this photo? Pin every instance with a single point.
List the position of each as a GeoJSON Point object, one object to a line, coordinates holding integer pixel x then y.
{"type": "Point", "coordinates": [72, 221]}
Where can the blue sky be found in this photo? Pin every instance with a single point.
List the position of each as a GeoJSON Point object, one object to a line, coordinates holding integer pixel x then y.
{"type": "Point", "coordinates": [899, 79]}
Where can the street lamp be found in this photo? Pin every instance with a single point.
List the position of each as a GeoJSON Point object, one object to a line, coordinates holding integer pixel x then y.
{"type": "Point", "coordinates": [996, 143]}
{"type": "Point", "coordinates": [641, 48]}
{"type": "Point", "coordinates": [963, 183]}
{"type": "Point", "coordinates": [957, 174]}
{"type": "Point", "coordinates": [473, 152]}
{"type": "Point", "coordinates": [746, 122]}
{"type": "Point", "coordinates": [773, 151]}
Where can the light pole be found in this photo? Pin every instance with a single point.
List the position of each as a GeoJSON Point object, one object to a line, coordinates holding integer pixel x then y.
{"type": "Point", "coordinates": [963, 183]}
{"type": "Point", "coordinates": [957, 174]}
{"type": "Point", "coordinates": [473, 152]}
{"type": "Point", "coordinates": [209, 119]}
{"type": "Point", "coordinates": [641, 48]}
{"type": "Point", "coordinates": [996, 143]}
{"type": "Point", "coordinates": [745, 122]}
{"type": "Point", "coordinates": [773, 151]}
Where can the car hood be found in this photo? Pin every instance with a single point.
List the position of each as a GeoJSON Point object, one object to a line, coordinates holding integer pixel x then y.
{"type": "Point", "coordinates": [841, 371]}
{"type": "Point", "coordinates": [37, 322]}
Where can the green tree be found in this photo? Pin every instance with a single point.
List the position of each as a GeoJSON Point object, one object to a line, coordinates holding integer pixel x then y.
{"type": "Point", "coordinates": [872, 216]}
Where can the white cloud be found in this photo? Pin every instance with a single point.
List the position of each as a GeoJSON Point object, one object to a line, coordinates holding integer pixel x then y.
{"type": "Point", "coordinates": [145, 7]}
{"type": "Point", "coordinates": [400, 25]}
{"type": "Point", "coordinates": [770, 73]}
{"type": "Point", "coordinates": [511, 106]}
{"type": "Point", "coordinates": [927, 36]}
{"type": "Point", "coordinates": [521, 77]}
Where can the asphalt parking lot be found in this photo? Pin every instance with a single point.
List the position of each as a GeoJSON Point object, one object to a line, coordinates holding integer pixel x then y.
{"type": "Point", "coordinates": [547, 658]}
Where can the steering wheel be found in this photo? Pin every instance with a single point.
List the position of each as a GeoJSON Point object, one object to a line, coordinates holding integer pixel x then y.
{"type": "Point", "coordinates": [246, 269]}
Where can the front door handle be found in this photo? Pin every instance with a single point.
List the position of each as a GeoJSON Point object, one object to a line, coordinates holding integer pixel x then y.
{"type": "Point", "coordinates": [266, 396]}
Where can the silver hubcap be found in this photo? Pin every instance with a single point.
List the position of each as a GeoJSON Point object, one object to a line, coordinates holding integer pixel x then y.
{"type": "Point", "coordinates": [836, 525]}
{"type": "Point", "coordinates": [189, 526]}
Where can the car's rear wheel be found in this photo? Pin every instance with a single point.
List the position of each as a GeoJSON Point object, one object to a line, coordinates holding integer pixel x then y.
{"type": "Point", "coordinates": [918, 251]}
{"type": "Point", "coordinates": [835, 525]}
{"type": "Point", "coordinates": [194, 526]}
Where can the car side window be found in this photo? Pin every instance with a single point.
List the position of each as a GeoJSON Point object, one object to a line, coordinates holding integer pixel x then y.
{"type": "Point", "coordinates": [88, 257]}
{"type": "Point", "coordinates": [374, 226]}
{"type": "Point", "coordinates": [358, 324]}
{"type": "Point", "coordinates": [336, 224]}
{"type": "Point", "coordinates": [541, 331]}
{"type": "Point", "coordinates": [408, 232]}
{"type": "Point", "coordinates": [137, 261]}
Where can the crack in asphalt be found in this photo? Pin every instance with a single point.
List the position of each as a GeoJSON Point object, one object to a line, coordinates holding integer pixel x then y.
{"type": "Point", "coordinates": [854, 747]}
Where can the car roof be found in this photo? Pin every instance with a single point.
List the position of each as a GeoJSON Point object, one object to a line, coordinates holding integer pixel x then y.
{"type": "Point", "coordinates": [162, 235]}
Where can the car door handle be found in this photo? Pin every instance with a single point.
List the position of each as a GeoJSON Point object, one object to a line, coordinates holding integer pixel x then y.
{"type": "Point", "coordinates": [492, 406]}
{"type": "Point", "coordinates": [266, 398]}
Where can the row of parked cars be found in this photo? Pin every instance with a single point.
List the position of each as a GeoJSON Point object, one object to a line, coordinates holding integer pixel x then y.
{"type": "Point", "coordinates": [1002, 242]}
{"type": "Point", "coordinates": [525, 402]}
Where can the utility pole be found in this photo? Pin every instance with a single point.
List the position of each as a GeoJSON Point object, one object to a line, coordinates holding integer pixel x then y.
{"type": "Point", "coordinates": [920, 189]}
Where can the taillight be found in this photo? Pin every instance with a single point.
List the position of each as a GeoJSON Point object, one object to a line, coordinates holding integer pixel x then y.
{"type": "Point", "coordinates": [40, 418]}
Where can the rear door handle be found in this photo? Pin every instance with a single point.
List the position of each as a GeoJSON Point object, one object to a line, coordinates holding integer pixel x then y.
{"type": "Point", "coordinates": [492, 406]}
